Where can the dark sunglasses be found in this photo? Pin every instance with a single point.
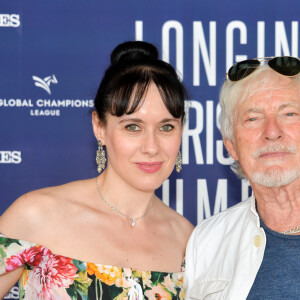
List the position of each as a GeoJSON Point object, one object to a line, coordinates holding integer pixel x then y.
{"type": "Point", "coordinates": [285, 65]}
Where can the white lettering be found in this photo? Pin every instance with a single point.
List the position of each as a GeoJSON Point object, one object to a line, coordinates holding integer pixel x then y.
{"type": "Point", "coordinates": [46, 112]}
{"type": "Point", "coordinates": [179, 196]}
{"type": "Point", "coordinates": [261, 39]}
{"type": "Point", "coordinates": [4, 20]}
{"type": "Point", "coordinates": [165, 192]}
{"type": "Point", "coordinates": [7, 20]}
{"type": "Point", "coordinates": [203, 205]}
{"type": "Point", "coordinates": [194, 133]}
{"type": "Point", "coordinates": [221, 196]}
{"type": "Point", "coordinates": [13, 294]}
{"type": "Point", "coordinates": [138, 30]}
{"type": "Point", "coordinates": [281, 43]}
{"type": "Point", "coordinates": [10, 157]}
{"type": "Point", "coordinates": [230, 60]}
{"type": "Point", "coordinates": [208, 60]}
{"type": "Point", "coordinates": [16, 157]}
{"type": "Point", "coordinates": [39, 102]}
{"type": "Point", "coordinates": [220, 145]}
{"type": "Point", "coordinates": [15, 20]}
{"type": "Point", "coordinates": [179, 44]}
{"type": "Point", "coordinates": [16, 103]}
{"type": "Point", "coordinates": [209, 132]}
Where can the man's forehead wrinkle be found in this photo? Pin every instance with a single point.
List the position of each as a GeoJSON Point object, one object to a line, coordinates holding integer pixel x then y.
{"type": "Point", "coordinates": [252, 104]}
{"type": "Point", "coordinates": [268, 80]}
{"type": "Point", "coordinates": [271, 93]}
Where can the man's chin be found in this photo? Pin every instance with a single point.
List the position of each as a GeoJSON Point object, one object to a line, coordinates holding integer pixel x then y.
{"type": "Point", "coordinates": [275, 177]}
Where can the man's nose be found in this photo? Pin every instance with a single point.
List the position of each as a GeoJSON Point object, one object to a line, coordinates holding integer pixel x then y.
{"type": "Point", "coordinates": [273, 130]}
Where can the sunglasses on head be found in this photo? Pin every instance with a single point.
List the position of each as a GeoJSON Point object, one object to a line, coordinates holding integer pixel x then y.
{"type": "Point", "coordinates": [284, 65]}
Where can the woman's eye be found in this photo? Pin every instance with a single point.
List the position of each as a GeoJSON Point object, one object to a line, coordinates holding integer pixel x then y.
{"type": "Point", "coordinates": [167, 127]}
{"type": "Point", "coordinates": [132, 127]}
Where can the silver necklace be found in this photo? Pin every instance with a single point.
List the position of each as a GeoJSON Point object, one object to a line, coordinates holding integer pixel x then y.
{"type": "Point", "coordinates": [132, 220]}
{"type": "Point", "coordinates": [293, 230]}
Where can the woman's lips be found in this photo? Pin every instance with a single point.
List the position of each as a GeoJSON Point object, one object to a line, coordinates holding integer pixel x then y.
{"type": "Point", "coordinates": [149, 167]}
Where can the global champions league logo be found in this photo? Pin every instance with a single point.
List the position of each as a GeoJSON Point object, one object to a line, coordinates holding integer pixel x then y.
{"type": "Point", "coordinates": [45, 83]}
{"type": "Point", "coordinates": [46, 106]}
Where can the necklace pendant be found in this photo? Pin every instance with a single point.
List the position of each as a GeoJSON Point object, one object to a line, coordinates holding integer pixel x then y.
{"type": "Point", "coordinates": [132, 222]}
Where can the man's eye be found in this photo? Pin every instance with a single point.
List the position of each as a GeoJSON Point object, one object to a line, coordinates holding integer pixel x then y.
{"type": "Point", "coordinates": [251, 119]}
{"type": "Point", "coordinates": [132, 127]}
{"type": "Point", "coordinates": [167, 127]}
{"type": "Point", "coordinates": [290, 114]}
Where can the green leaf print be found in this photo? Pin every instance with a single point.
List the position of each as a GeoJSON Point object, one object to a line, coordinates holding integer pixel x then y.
{"type": "Point", "coordinates": [2, 253]}
{"type": "Point", "coordinates": [72, 292]}
{"type": "Point", "coordinates": [5, 242]}
{"type": "Point", "coordinates": [80, 286]}
{"type": "Point", "coordinates": [157, 277]}
{"type": "Point", "coordinates": [21, 292]}
{"type": "Point", "coordinates": [80, 265]}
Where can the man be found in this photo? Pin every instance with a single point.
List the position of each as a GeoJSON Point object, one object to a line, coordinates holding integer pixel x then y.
{"type": "Point", "coordinates": [252, 250]}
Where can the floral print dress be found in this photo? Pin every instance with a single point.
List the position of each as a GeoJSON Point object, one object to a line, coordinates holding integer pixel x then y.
{"type": "Point", "coordinates": [50, 276]}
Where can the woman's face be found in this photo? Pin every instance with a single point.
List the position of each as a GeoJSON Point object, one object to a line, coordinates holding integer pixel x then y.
{"type": "Point", "coordinates": [142, 147]}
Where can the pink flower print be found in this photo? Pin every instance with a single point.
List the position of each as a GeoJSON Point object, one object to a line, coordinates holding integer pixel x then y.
{"type": "Point", "coordinates": [27, 256]}
{"type": "Point", "coordinates": [51, 277]}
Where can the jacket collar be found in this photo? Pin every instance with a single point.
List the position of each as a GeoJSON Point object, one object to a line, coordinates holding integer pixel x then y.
{"type": "Point", "coordinates": [254, 214]}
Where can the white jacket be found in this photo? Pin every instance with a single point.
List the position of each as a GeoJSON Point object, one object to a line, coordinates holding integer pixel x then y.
{"type": "Point", "coordinates": [224, 254]}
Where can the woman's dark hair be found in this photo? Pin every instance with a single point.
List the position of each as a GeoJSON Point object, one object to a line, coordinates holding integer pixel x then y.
{"type": "Point", "coordinates": [134, 66]}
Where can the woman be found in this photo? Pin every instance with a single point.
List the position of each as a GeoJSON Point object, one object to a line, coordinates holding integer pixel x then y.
{"type": "Point", "coordinates": [109, 237]}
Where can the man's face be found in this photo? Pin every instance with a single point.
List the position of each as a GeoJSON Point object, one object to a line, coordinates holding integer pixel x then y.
{"type": "Point", "coordinates": [267, 135]}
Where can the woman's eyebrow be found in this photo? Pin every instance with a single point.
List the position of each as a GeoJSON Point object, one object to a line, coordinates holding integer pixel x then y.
{"type": "Point", "coordinates": [131, 120]}
{"type": "Point", "coordinates": [169, 120]}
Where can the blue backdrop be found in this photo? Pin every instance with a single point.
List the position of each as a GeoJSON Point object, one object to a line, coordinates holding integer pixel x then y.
{"type": "Point", "coordinates": [52, 58]}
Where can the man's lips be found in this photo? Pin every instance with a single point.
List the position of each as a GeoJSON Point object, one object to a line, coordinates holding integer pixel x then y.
{"type": "Point", "coordinates": [149, 167]}
{"type": "Point", "coordinates": [274, 154]}
{"type": "Point", "coordinates": [274, 151]}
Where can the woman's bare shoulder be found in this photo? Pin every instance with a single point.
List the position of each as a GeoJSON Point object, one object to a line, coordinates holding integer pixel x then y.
{"type": "Point", "coordinates": [181, 224]}
{"type": "Point", "coordinates": [34, 209]}
{"type": "Point", "coordinates": [185, 226]}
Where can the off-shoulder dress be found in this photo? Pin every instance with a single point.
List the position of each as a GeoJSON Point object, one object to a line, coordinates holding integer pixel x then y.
{"type": "Point", "coordinates": [50, 276]}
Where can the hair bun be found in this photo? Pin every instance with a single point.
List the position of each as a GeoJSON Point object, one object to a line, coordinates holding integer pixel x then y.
{"type": "Point", "coordinates": [131, 51]}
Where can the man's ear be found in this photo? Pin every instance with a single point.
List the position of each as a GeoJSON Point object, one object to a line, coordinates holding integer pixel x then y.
{"type": "Point", "coordinates": [98, 127]}
{"type": "Point", "coordinates": [230, 148]}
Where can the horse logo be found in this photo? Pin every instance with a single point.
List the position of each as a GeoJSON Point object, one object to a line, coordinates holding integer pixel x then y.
{"type": "Point", "coordinates": [45, 83]}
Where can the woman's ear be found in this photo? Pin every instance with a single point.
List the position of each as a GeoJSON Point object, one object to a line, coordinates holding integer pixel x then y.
{"type": "Point", "coordinates": [98, 127]}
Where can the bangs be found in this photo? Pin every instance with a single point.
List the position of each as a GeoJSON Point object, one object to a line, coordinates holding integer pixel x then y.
{"type": "Point", "coordinates": [129, 96]}
{"type": "Point", "coordinates": [133, 87]}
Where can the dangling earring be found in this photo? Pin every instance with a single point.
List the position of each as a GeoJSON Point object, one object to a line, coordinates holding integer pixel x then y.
{"type": "Point", "coordinates": [178, 163]}
{"type": "Point", "coordinates": [100, 157]}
